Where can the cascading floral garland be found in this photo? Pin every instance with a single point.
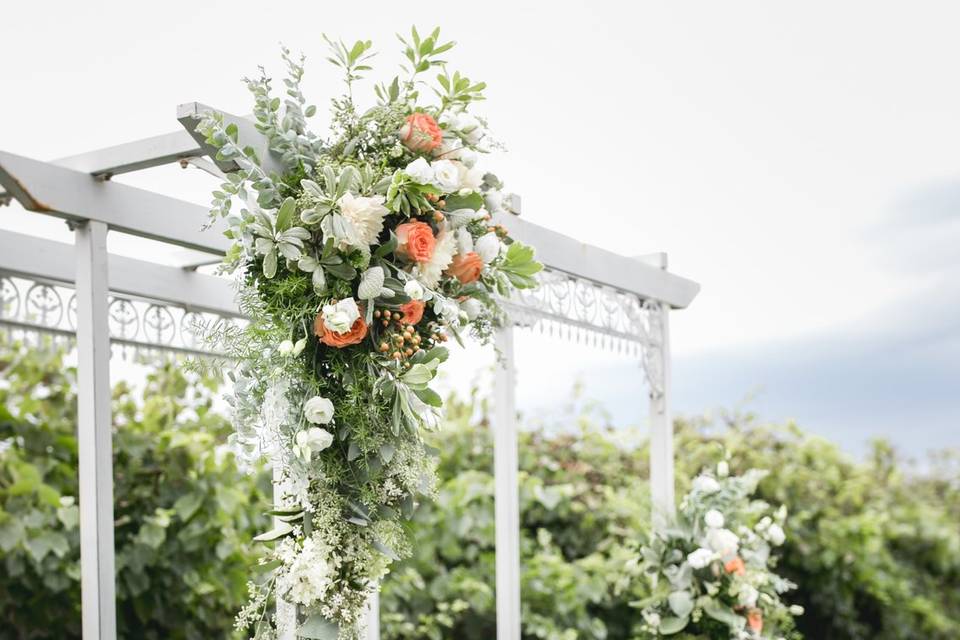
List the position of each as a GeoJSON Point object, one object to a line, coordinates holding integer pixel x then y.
{"type": "Point", "coordinates": [355, 265]}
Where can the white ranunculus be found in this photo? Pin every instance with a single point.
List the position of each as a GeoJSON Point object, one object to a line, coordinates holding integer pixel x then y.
{"type": "Point", "coordinates": [420, 170]}
{"type": "Point", "coordinates": [713, 519]}
{"type": "Point", "coordinates": [340, 317]}
{"type": "Point", "coordinates": [318, 410]}
{"type": "Point", "coordinates": [472, 307]}
{"type": "Point", "coordinates": [723, 469]}
{"type": "Point", "coordinates": [723, 541]}
{"type": "Point", "coordinates": [366, 215]}
{"type": "Point", "coordinates": [748, 596]}
{"type": "Point", "coordinates": [310, 441]}
{"type": "Point", "coordinates": [285, 348]}
{"type": "Point", "coordinates": [700, 558]}
{"type": "Point", "coordinates": [446, 176]}
{"type": "Point", "coordinates": [414, 289]}
{"type": "Point", "coordinates": [488, 247]}
{"type": "Point", "coordinates": [776, 535]}
{"type": "Point", "coordinates": [705, 484]}
{"type": "Point", "coordinates": [470, 179]}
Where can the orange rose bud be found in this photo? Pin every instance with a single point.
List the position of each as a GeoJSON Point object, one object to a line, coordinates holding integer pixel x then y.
{"type": "Point", "coordinates": [415, 241]}
{"type": "Point", "coordinates": [466, 267]}
{"type": "Point", "coordinates": [421, 133]}
{"type": "Point", "coordinates": [735, 566]}
{"type": "Point", "coordinates": [412, 311]}
{"type": "Point", "coordinates": [755, 620]}
{"type": "Point", "coordinates": [340, 340]}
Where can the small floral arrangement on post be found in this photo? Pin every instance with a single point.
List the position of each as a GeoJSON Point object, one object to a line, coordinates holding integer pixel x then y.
{"type": "Point", "coordinates": [710, 572]}
{"type": "Point", "coordinates": [355, 264]}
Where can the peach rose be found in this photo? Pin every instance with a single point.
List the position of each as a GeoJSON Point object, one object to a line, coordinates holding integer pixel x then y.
{"type": "Point", "coordinates": [466, 267]}
{"type": "Point", "coordinates": [355, 335]}
{"type": "Point", "coordinates": [416, 241]}
{"type": "Point", "coordinates": [421, 133]}
{"type": "Point", "coordinates": [755, 620]}
{"type": "Point", "coordinates": [735, 566]}
{"type": "Point", "coordinates": [412, 311]}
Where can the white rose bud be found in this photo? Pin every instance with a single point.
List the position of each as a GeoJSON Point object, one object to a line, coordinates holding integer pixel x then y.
{"type": "Point", "coordinates": [414, 289]}
{"type": "Point", "coordinates": [776, 535]}
{"type": "Point", "coordinates": [713, 519]}
{"type": "Point", "coordinates": [318, 410]}
{"type": "Point", "coordinates": [299, 346]}
{"type": "Point", "coordinates": [285, 348]}
{"type": "Point", "coordinates": [488, 247]}
{"type": "Point", "coordinates": [796, 610]}
{"type": "Point", "coordinates": [723, 469]}
{"type": "Point", "coordinates": [493, 200]}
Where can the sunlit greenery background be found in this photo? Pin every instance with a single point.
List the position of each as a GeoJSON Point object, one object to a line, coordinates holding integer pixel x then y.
{"type": "Point", "coordinates": [874, 545]}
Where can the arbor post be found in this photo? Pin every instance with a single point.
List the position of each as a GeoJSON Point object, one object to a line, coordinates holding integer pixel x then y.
{"type": "Point", "coordinates": [94, 424]}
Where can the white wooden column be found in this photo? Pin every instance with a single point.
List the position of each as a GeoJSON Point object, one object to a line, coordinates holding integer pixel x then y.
{"type": "Point", "coordinates": [507, 490]}
{"type": "Point", "coordinates": [286, 611]}
{"type": "Point", "coordinates": [373, 618]}
{"type": "Point", "coordinates": [661, 424]}
{"type": "Point", "coordinates": [97, 562]}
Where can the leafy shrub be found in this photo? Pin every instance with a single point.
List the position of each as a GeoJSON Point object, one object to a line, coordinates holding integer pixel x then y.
{"type": "Point", "coordinates": [184, 514]}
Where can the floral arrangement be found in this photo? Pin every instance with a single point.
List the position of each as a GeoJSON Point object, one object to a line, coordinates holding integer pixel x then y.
{"type": "Point", "coordinates": [355, 266]}
{"type": "Point", "coordinates": [710, 573]}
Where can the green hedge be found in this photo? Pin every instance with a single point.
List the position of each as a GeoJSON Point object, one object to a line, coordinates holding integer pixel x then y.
{"type": "Point", "coordinates": [184, 514]}
{"type": "Point", "coordinates": [874, 549]}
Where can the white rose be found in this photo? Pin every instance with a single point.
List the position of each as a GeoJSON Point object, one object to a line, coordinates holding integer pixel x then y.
{"type": "Point", "coordinates": [700, 558]}
{"type": "Point", "coordinates": [748, 596]}
{"type": "Point", "coordinates": [448, 309]}
{"type": "Point", "coordinates": [723, 541]}
{"type": "Point", "coordinates": [713, 519]}
{"type": "Point", "coordinates": [414, 289]}
{"type": "Point", "coordinates": [776, 535]}
{"type": "Point", "coordinates": [494, 201]}
{"type": "Point", "coordinates": [705, 484]}
{"type": "Point", "coordinates": [472, 307]}
{"type": "Point", "coordinates": [723, 469]}
{"type": "Point", "coordinates": [340, 317]}
{"type": "Point", "coordinates": [469, 158]}
{"type": "Point", "coordinates": [446, 176]}
{"type": "Point", "coordinates": [420, 170]}
{"type": "Point", "coordinates": [285, 348]}
{"type": "Point", "coordinates": [318, 410]}
{"type": "Point", "coordinates": [488, 247]}
{"type": "Point", "coordinates": [470, 179]}
{"type": "Point", "coordinates": [310, 441]}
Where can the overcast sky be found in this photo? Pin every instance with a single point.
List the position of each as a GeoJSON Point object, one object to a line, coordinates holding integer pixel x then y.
{"type": "Point", "coordinates": [801, 162]}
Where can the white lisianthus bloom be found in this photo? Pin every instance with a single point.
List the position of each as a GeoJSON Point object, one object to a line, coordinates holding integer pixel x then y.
{"type": "Point", "coordinates": [700, 558]}
{"type": "Point", "coordinates": [365, 214]}
{"type": "Point", "coordinates": [420, 170]}
{"type": "Point", "coordinates": [446, 176]}
{"type": "Point", "coordinates": [723, 469]}
{"type": "Point", "coordinates": [469, 158]}
{"type": "Point", "coordinates": [431, 271]}
{"type": "Point", "coordinates": [776, 535]}
{"type": "Point", "coordinates": [310, 441]}
{"type": "Point", "coordinates": [713, 519]}
{"type": "Point", "coordinates": [748, 596]}
{"type": "Point", "coordinates": [470, 128]}
{"type": "Point", "coordinates": [472, 307]}
{"type": "Point", "coordinates": [488, 247]}
{"type": "Point", "coordinates": [285, 348]}
{"type": "Point", "coordinates": [414, 289]}
{"type": "Point", "coordinates": [493, 201]}
{"type": "Point", "coordinates": [705, 484]}
{"type": "Point", "coordinates": [723, 541]}
{"type": "Point", "coordinates": [318, 410]}
{"type": "Point", "coordinates": [449, 149]}
{"type": "Point", "coordinates": [340, 317]}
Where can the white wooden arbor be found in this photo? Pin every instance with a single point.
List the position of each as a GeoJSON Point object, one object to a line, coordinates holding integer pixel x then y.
{"type": "Point", "coordinates": [585, 290]}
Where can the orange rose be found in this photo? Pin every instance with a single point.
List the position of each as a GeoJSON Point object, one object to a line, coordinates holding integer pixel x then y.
{"type": "Point", "coordinates": [466, 267]}
{"type": "Point", "coordinates": [340, 340]}
{"type": "Point", "coordinates": [755, 620]}
{"type": "Point", "coordinates": [421, 133]}
{"type": "Point", "coordinates": [412, 311]}
{"type": "Point", "coordinates": [416, 241]}
{"type": "Point", "coordinates": [735, 566]}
